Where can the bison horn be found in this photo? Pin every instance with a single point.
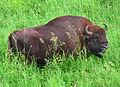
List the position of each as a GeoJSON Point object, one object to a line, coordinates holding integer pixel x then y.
{"type": "Point", "coordinates": [88, 32]}
{"type": "Point", "coordinates": [105, 27]}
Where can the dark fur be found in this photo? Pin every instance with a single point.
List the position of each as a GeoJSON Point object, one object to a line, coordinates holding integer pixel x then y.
{"type": "Point", "coordinates": [69, 32]}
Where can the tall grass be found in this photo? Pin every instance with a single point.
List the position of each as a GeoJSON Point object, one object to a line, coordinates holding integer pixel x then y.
{"type": "Point", "coordinates": [95, 72]}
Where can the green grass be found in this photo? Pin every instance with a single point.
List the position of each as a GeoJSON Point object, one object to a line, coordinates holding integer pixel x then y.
{"type": "Point", "coordinates": [95, 72]}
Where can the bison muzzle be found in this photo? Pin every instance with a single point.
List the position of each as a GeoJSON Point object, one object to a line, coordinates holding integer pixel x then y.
{"type": "Point", "coordinates": [68, 34]}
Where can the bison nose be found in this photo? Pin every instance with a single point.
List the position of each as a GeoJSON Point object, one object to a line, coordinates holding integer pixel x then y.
{"type": "Point", "coordinates": [105, 46]}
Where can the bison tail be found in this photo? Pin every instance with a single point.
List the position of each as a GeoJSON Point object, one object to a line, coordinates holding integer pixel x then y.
{"type": "Point", "coordinates": [12, 44]}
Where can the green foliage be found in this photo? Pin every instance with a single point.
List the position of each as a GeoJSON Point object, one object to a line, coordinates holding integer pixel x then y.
{"type": "Point", "coordinates": [60, 72]}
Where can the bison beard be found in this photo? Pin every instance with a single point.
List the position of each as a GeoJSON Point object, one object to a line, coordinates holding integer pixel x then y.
{"type": "Point", "coordinates": [68, 33]}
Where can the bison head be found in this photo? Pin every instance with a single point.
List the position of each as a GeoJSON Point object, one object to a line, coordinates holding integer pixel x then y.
{"type": "Point", "coordinates": [95, 39]}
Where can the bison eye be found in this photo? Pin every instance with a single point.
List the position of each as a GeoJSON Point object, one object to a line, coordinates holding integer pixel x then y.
{"type": "Point", "coordinates": [87, 40]}
{"type": "Point", "coordinates": [95, 39]}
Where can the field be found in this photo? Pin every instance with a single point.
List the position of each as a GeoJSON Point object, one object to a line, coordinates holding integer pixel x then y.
{"type": "Point", "coordinates": [95, 72]}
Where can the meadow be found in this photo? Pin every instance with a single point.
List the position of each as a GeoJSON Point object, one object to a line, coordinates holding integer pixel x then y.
{"type": "Point", "coordinates": [95, 72]}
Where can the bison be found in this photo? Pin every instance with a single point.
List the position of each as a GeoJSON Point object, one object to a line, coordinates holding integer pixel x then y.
{"type": "Point", "coordinates": [65, 34]}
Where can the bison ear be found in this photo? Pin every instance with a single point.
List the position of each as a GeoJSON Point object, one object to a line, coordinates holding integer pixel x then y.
{"type": "Point", "coordinates": [88, 32]}
{"type": "Point", "coordinates": [105, 27]}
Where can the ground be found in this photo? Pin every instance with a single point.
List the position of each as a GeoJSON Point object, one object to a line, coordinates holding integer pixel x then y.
{"type": "Point", "coordinates": [95, 72]}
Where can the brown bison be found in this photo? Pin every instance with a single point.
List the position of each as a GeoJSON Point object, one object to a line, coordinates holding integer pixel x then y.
{"type": "Point", "coordinates": [65, 34]}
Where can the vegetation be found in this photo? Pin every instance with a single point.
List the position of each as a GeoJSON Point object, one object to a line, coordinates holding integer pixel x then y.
{"type": "Point", "coordinates": [95, 72]}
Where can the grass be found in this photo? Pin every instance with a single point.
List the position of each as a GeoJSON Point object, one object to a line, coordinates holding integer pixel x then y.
{"type": "Point", "coordinates": [95, 72]}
